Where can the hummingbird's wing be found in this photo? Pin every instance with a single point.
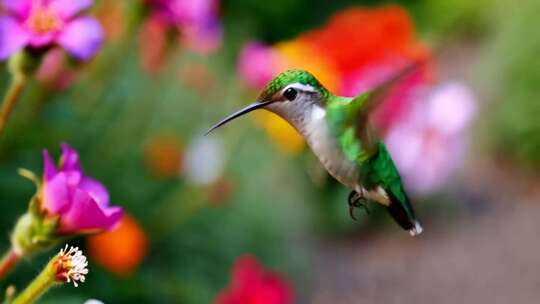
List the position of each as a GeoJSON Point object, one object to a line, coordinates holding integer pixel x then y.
{"type": "Point", "coordinates": [370, 100]}
{"type": "Point", "coordinates": [346, 113]}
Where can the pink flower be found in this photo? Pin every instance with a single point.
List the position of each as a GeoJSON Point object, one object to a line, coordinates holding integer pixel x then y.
{"type": "Point", "coordinates": [251, 285]}
{"type": "Point", "coordinates": [53, 73]}
{"type": "Point", "coordinates": [81, 202]}
{"type": "Point", "coordinates": [197, 20]}
{"type": "Point", "coordinates": [428, 144]}
{"type": "Point", "coordinates": [39, 24]}
{"type": "Point", "coordinates": [257, 64]}
{"type": "Point", "coordinates": [153, 43]}
{"type": "Point", "coordinates": [203, 38]}
{"type": "Point", "coordinates": [399, 100]}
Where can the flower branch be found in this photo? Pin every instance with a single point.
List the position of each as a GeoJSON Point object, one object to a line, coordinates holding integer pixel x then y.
{"type": "Point", "coordinates": [69, 265]}
{"type": "Point", "coordinates": [13, 93]}
{"type": "Point", "coordinates": [10, 259]}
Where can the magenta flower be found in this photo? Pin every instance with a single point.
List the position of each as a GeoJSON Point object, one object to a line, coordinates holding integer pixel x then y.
{"type": "Point", "coordinates": [197, 20]}
{"type": "Point", "coordinates": [42, 23]}
{"type": "Point", "coordinates": [258, 63]}
{"type": "Point", "coordinates": [401, 98]}
{"type": "Point", "coordinates": [82, 203]}
{"type": "Point", "coordinates": [429, 143]}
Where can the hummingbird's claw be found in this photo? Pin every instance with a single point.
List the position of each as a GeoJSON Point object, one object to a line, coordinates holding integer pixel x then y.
{"type": "Point", "coordinates": [356, 200]}
{"type": "Point", "coordinates": [351, 212]}
{"type": "Point", "coordinates": [351, 199]}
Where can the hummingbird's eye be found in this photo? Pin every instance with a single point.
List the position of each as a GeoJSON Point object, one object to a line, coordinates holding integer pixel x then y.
{"type": "Point", "coordinates": [290, 94]}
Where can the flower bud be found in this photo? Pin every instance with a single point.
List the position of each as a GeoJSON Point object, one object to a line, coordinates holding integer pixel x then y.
{"type": "Point", "coordinates": [67, 203]}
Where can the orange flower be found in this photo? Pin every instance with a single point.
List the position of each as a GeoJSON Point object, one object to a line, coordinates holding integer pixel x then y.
{"type": "Point", "coordinates": [360, 36]}
{"type": "Point", "coordinates": [198, 77]}
{"type": "Point", "coordinates": [220, 192]}
{"type": "Point", "coordinates": [283, 135]}
{"type": "Point", "coordinates": [297, 54]}
{"type": "Point", "coordinates": [111, 15]}
{"type": "Point", "coordinates": [120, 250]}
{"type": "Point", "coordinates": [163, 156]}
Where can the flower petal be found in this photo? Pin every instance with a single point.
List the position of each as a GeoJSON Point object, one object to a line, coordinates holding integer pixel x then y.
{"type": "Point", "coordinates": [246, 270]}
{"type": "Point", "coordinates": [96, 190]}
{"type": "Point", "coordinates": [258, 63]}
{"type": "Point", "coordinates": [49, 169]}
{"type": "Point", "coordinates": [55, 194]}
{"type": "Point", "coordinates": [41, 40]}
{"type": "Point", "coordinates": [69, 8]}
{"type": "Point", "coordinates": [21, 8]}
{"type": "Point", "coordinates": [82, 38]}
{"type": "Point", "coordinates": [86, 214]}
{"type": "Point", "coordinates": [204, 39]}
{"type": "Point", "coordinates": [73, 177]}
{"type": "Point", "coordinates": [13, 37]}
{"type": "Point", "coordinates": [251, 284]}
{"type": "Point", "coordinates": [69, 161]}
{"type": "Point", "coordinates": [451, 107]}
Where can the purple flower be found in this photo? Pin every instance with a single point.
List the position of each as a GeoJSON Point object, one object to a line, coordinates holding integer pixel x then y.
{"type": "Point", "coordinates": [42, 23]}
{"type": "Point", "coordinates": [203, 38]}
{"type": "Point", "coordinates": [82, 203]}
{"type": "Point", "coordinates": [429, 143]}
{"type": "Point", "coordinates": [197, 20]}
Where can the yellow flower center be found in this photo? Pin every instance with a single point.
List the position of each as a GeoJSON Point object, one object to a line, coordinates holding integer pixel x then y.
{"type": "Point", "coordinates": [43, 20]}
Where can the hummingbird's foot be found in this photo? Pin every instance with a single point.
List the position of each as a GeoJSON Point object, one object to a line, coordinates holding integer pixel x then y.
{"type": "Point", "coordinates": [356, 200]}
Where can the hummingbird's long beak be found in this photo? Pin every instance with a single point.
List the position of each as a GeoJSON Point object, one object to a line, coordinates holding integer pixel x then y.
{"type": "Point", "coordinates": [254, 106]}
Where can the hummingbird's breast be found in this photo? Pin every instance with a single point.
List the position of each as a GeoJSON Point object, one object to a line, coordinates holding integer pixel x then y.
{"type": "Point", "coordinates": [316, 131]}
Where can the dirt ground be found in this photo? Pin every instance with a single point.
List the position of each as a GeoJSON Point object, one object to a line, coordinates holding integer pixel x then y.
{"type": "Point", "coordinates": [490, 256]}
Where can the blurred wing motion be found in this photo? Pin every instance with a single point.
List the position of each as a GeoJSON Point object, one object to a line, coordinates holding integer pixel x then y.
{"type": "Point", "coordinates": [349, 120]}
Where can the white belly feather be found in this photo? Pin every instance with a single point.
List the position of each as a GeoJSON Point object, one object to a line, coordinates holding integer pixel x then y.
{"type": "Point", "coordinates": [325, 147]}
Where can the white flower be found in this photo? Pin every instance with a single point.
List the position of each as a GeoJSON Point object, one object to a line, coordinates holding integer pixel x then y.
{"type": "Point", "coordinates": [93, 301]}
{"type": "Point", "coordinates": [204, 160]}
{"type": "Point", "coordinates": [429, 143]}
{"type": "Point", "coordinates": [71, 265]}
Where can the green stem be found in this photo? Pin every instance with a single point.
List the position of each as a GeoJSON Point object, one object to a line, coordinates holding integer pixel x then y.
{"type": "Point", "coordinates": [18, 81]}
{"type": "Point", "coordinates": [39, 285]}
{"type": "Point", "coordinates": [9, 260]}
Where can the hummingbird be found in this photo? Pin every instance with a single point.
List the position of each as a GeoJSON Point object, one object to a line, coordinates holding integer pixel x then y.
{"type": "Point", "coordinates": [339, 133]}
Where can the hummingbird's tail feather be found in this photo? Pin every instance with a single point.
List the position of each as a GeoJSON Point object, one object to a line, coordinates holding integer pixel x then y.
{"type": "Point", "coordinates": [405, 218]}
{"type": "Point", "coordinates": [384, 176]}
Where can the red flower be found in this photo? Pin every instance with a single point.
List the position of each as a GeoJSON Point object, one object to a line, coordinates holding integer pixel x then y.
{"type": "Point", "coordinates": [122, 250]}
{"type": "Point", "coordinates": [252, 285]}
{"type": "Point", "coordinates": [358, 37]}
{"type": "Point", "coordinates": [368, 46]}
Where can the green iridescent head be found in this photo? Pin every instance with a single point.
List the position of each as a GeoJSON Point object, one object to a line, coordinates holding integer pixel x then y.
{"type": "Point", "coordinates": [290, 91]}
{"type": "Point", "coordinates": [291, 77]}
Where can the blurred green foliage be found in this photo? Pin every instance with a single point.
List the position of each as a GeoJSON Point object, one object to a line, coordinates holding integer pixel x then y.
{"type": "Point", "coordinates": [513, 73]}
{"type": "Point", "coordinates": [107, 115]}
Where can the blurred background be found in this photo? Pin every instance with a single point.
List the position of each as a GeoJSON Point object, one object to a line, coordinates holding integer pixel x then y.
{"type": "Point", "coordinates": [464, 131]}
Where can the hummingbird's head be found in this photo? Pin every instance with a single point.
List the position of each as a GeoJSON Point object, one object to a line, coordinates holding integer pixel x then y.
{"type": "Point", "coordinates": [292, 94]}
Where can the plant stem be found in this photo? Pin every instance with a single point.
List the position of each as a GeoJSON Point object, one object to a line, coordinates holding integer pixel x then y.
{"type": "Point", "coordinates": [39, 285]}
{"type": "Point", "coordinates": [9, 260]}
{"type": "Point", "coordinates": [18, 81]}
